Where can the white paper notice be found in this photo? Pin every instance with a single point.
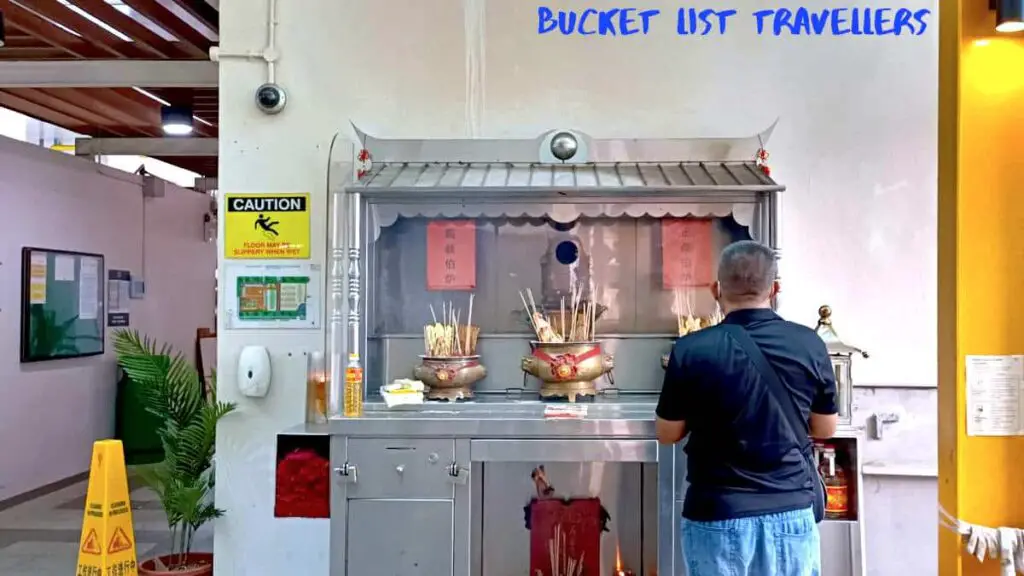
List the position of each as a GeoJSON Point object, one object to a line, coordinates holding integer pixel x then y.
{"type": "Point", "coordinates": [89, 289]}
{"type": "Point", "coordinates": [994, 395]}
{"type": "Point", "coordinates": [64, 268]}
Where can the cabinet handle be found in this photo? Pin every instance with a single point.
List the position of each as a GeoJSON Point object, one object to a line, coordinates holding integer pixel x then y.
{"type": "Point", "coordinates": [347, 472]}
{"type": "Point", "coordinates": [458, 474]}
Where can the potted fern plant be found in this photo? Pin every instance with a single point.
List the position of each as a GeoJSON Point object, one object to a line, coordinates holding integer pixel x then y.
{"type": "Point", "coordinates": [172, 390]}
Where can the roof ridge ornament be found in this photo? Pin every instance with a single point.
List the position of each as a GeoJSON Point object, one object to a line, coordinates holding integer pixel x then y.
{"type": "Point", "coordinates": [828, 334]}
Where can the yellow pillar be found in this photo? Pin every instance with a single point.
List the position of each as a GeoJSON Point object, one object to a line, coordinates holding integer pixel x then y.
{"type": "Point", "coordinates": [981, 261]}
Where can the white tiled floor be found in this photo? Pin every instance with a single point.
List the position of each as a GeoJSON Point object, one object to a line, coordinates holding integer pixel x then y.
{"type": "Point", "coordinates": [40, 537]}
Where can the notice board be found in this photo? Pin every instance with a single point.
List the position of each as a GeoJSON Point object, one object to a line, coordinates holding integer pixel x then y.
{"type": "Point", "coordinates": [61, 304]}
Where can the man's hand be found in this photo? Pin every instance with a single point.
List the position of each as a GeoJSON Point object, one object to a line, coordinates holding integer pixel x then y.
{"type": "Point", "coordinates": [669, 431]}
{"type": "Point", "coordinates": [822, 426]}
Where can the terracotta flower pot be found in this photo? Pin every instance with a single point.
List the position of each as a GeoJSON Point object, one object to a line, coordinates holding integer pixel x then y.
{"type": "Point", "coordinates": [202, 565]}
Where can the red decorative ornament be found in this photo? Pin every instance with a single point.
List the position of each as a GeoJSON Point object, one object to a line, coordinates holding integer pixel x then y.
{"type": "Point", "coordinates": [761, 159]}
{"type": "Point", "coordinates": [303, 486]}
{"type": "Point", "coordinates": [565, 366]}
{"type": "Point", "coordinates": [365, 160]}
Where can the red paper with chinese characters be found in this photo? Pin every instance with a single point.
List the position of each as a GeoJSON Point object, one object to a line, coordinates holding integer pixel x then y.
{"type": "Point", "coordinates": [580, 520]}
{"type": "Point", "coordinates": [685, 252]}
{"type": "Point", "coordinates": [451, 255]}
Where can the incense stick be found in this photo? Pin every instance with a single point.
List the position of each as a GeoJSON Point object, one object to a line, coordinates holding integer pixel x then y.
{"type": "Point", "coordinates": [469, 322]}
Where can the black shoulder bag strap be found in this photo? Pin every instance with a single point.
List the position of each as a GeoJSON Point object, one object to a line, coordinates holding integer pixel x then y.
{"type": "Point", "coordinates": [791, 413]}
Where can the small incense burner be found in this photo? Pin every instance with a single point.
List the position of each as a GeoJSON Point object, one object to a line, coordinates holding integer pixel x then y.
{"type": "Point", "coordinates": [450, 378]}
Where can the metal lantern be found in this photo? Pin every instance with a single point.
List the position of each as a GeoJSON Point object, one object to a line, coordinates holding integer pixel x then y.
{"type": "Point", "coordinates": [841, 355]}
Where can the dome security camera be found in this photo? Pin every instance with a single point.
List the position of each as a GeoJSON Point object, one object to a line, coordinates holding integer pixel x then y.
{"type": "Point", "coordinates": [270, 98]}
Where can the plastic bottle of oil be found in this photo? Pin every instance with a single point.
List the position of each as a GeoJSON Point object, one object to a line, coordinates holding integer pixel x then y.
{"type": "Point", "coordinates": [836, 486]}
{"type": "Point", "coordinates": [353, 388]}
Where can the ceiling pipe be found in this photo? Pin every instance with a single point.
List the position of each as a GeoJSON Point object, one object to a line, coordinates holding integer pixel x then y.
{"type": "Point", "coordinates": [269, 53]}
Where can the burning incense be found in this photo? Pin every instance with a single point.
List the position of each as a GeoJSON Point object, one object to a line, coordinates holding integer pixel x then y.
{"type": "Point", "coordinates": [686, 321]}
{"type": "Point", "coordinates": [575, 321]}
{"type": "Point", "coordinates": [561, 563]}
{"type": "Point", "coordinates": [448, 337]}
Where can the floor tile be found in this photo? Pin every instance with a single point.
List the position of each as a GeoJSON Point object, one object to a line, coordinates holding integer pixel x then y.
{"type": "Point", "coordinates": [32, 558]}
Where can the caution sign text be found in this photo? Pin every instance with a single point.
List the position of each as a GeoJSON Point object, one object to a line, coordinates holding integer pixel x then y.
{"type": "Point", "coordinates": [108, 540]}
{"type": "Point", "coordinates": [266, 226]}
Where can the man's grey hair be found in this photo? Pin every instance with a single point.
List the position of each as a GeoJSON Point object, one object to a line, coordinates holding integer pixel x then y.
{"type": "Point", "coordinates": [746, 271]}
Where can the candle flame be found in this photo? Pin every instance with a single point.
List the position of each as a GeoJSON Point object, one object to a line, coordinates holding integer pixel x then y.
{"type": "Point", "coordinates": [618, 560]}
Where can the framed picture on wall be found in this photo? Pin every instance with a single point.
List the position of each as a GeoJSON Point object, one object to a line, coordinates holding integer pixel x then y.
{"type": "Point", "coordinates": [62, 295]}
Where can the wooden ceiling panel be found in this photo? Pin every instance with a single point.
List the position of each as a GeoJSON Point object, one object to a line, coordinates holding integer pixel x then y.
{"type": "Point", "coordinates": [119, 111]}
{"type": "Point", "coordinates": [140, 35]}
{"type": "Point", "coordinates": [88, 30]}
{"type": "Point", "coordinates": [84, 111]}
{"type": "Point", "coordinates": [52, 30]}
{"type": "Point", "coordinates": [43, 113]}
{"type": "Point", "coordinates": [202, 11]}
{"type": "Point", "coordinates": [164, 18]}
{"type": "Point", "coordinates": [38, 27]}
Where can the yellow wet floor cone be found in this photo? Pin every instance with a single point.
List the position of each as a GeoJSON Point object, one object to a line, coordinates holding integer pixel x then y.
{"type": "Point", "coordinates": [108, 540]}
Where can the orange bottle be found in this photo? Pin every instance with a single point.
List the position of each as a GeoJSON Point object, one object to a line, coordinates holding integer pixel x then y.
{"type": "Point", "coordinates": [836, 486]}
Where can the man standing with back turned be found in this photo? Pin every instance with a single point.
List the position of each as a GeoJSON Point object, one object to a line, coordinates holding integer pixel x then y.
{"type": "Point", "coordinates": [748, 510]}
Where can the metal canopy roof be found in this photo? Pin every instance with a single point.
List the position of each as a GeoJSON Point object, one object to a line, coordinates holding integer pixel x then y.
{"type": "Point", "coordinates": [639, 177]}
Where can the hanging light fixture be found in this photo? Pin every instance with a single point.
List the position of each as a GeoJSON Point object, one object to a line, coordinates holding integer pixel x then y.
{"type": "Point", "coordinates": [177, 120]}
{"type": "Point", "coordinates": [2, 35]}
{"type": "Point", "coordinates": [1009, 16]}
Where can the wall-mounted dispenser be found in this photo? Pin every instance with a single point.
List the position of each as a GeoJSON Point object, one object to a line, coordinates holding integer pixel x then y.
{"type": "Point", "coordinates": [254, 371]}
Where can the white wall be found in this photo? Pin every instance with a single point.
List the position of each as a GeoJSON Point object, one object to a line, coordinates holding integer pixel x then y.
{"type": "Point", "coordinates": [51, 412]}
{"type": "Point", "coordinates": [855, 146]}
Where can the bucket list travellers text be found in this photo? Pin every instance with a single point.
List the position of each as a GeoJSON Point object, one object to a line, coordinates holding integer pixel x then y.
{"type": "Point", "coordinates": [686, 21]}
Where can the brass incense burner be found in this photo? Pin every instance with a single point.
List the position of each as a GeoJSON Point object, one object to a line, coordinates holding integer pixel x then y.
{"type": "Point", "coordinates": [450, 378]}
{"type": "Point", "coordinates": [568, 369]}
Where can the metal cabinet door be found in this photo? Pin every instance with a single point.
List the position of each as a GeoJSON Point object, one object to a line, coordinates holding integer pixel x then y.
{"type": "Point", "coordinates": [401, 467]}
{"type": "Point", "coordinates": [400, 538]}
{"type": "Point", "coordinates": [837, 548]}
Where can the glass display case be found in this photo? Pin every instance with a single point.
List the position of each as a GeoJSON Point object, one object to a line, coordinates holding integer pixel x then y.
{"type": "Point", "coordinates": [611, 265]}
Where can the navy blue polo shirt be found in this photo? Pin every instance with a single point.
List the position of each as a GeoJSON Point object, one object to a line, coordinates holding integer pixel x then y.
{"type": "Point", "coordinates": [740, 460]}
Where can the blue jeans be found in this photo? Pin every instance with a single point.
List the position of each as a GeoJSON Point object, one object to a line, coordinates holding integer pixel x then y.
{"type": "Point", "coordinates": [785, 544]}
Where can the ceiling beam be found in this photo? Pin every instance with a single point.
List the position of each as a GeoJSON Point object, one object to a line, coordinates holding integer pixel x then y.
{"type": "Point", "coordinates": [167, 147]}
{"type": "Point", "coordinates": [109, 74]}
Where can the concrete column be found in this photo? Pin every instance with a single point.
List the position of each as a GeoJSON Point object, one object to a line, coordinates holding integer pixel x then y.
{"type": "Point", "coordinates": [981, 261]}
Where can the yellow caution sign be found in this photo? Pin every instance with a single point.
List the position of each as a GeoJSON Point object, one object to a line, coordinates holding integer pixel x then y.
{"type": "Point", "coordinates": [108, 541]}
{"type": "Point", "coordinates": [266, 226]}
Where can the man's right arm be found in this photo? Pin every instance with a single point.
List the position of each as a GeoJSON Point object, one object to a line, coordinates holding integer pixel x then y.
{"type": "Point", "coordinates": [671, 412]}
{"type": "Point", "coordinates": [824, 409]}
